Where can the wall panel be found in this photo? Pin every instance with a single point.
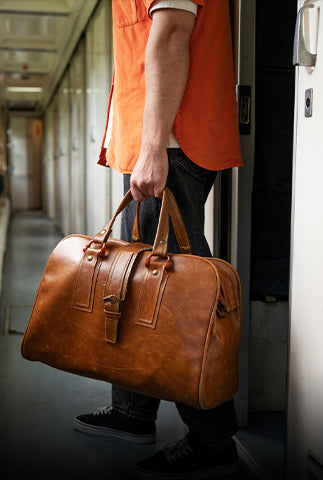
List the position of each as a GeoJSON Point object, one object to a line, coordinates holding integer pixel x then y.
{"type": "Point", "coordinates": [77, 141]}
{"type": "Point", "coordinates": [49, 196]}
{"type": "Point", "coordinates": [63, 166]}
{"type": "Point", "coordinates": [98, 78]}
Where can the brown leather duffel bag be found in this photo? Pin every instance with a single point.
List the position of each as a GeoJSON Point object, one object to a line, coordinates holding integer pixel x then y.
{"type": "Point", "coordinates": [163, 325]}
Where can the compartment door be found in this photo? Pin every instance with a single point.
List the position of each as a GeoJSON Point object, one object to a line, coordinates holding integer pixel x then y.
{"type": "Point", "coordinates": [305, 383]}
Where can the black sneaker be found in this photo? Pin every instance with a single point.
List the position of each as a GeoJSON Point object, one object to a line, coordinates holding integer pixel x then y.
{"type": "Point", "coordinates": [107, 422]}
{"type": "Point", "coordinates": [189, 460]}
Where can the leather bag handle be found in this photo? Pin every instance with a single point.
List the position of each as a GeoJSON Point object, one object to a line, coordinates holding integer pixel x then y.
{"type": "Point", "coordinates": [169, 208]}
{"type": "Point", "coordinates": [177, 221]}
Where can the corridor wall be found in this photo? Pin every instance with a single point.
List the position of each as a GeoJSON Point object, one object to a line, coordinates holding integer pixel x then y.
{"type": "Point", "coordinates": [79, 195]}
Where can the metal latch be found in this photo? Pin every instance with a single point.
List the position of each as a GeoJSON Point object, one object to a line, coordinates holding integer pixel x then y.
{"type": "Point", "coordinates": [301, 56]}
{"type": "Point", "coordinates": [244, 104]}
{"type": "Point", "coordinates": [308, 102]}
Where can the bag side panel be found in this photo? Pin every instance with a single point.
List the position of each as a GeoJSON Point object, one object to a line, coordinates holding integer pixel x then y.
{"type": "Point", "coordinates": [48, 285]}
{"type": "Point", "coordinates": [220, 377]}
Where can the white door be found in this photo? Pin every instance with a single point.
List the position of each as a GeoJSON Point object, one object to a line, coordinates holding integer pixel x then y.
{"type": "Point", "coordinates": [305, 383]}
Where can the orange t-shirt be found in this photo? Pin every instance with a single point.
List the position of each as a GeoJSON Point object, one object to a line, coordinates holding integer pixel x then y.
{"type": "Point", "coordinates": [206, 124]}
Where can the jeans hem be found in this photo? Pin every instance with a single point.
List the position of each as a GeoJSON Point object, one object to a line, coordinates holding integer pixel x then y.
{"type": "Point", "coordinates": [135, 415]}
{"type": "Point", "coordinates": [207, 440]}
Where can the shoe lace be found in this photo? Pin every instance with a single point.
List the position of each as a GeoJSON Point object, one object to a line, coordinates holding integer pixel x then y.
{"type": "Point", "coordinates": [178, 450]}
{"type": "Point", "coordinates": [103, 410]}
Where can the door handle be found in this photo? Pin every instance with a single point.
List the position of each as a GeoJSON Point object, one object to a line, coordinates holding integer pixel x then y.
{"type": "Point", "coordinates": [244, 106]}
{"type": "Point", "coordinates": [301, 56]}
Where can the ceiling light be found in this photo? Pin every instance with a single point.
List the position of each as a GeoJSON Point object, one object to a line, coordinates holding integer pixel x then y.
{"type": "Point", "coordinates": [24, 89]}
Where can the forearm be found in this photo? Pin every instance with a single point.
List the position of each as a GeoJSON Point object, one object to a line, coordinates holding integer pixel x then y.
{"type": "Point", "coordinates": [166, 71]}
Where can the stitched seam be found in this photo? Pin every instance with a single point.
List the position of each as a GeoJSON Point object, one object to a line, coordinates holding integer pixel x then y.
{"type": "Point", "coordinates": [207, 337]}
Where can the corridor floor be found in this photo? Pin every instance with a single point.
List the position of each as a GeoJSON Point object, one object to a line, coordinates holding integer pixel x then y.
{"type": "Point", "coordinates": [38, 403]}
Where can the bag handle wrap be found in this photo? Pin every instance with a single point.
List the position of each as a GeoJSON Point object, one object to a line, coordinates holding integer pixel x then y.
{"type": "Point", "coordinates": [169, 211]}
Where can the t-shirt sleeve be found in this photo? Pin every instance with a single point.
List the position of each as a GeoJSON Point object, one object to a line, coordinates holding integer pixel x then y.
{"type": "Point", "coordinates": [187, 5]}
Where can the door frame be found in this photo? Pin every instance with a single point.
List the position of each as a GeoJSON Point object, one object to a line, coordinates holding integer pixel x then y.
{"type": "Point", "coordinates": [240, 181]}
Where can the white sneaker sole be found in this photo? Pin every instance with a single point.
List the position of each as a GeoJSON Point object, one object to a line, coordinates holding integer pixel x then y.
{"type": "Point", "coordinates": [111, 432]}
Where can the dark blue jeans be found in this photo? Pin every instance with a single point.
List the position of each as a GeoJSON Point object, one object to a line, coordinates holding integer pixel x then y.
{"type": "Point", "coordinates": [190, 185]}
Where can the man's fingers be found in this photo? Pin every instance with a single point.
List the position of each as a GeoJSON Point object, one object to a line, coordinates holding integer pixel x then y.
{"type": "Point", "coordinates": [158, 191]}
{"type": "Point", "coordinates": [137, 194]}
{"type": "Point", "coordinates": [140, 190]}
{"type": "Point", "coordinates": [141, 194]}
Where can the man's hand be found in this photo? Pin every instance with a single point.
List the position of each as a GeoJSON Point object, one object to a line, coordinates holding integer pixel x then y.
{"type": "Point", "coordinates": [166, 71]}
{"type": "Point", "coordinates": [149, 176]}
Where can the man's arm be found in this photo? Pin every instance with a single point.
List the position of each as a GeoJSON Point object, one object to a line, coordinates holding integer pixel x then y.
{"type": "Point", "coordinates": [166, 71]}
